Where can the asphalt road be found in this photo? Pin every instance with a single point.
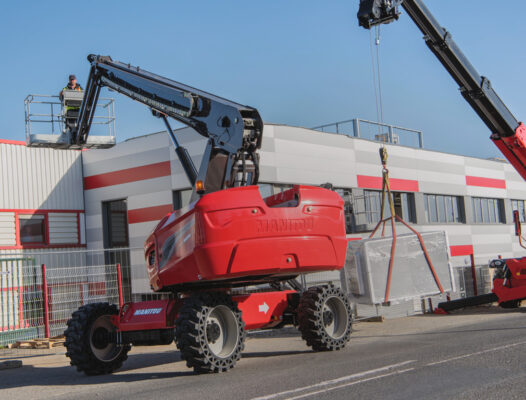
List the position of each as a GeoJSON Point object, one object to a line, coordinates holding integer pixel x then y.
{"type": "Point", "coordinates": [471, 355]}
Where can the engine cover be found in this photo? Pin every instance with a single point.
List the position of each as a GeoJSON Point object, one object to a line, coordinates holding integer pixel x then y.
{"type": "Point", "coordinates": [234, 235]}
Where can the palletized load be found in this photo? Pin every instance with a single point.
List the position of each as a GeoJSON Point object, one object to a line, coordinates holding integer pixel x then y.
{"type": "Point", "coordinates": [367, 268]}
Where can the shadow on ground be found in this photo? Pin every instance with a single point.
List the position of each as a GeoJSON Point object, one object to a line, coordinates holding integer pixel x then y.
{"type": "Point", "coordinates": [68, 376]}
{"type": "Point", "coordinates": [30, 375]}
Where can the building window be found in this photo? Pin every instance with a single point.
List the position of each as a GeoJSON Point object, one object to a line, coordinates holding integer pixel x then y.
{"type": "Point", "coordinates": [181, 198]}
{"type": "Point", "coordinates": [265, 190]}
{"type": "Point", "coordinates": [518, 205]}
{"type": "Point", "coordinates": [443, 209]}
{"type": "Point", "coordinates": [346, 195]}
{"type": "Point", "coordinates": [404, 205]}
{"type": "Point", "coordinates": [32, 229]}
{"type": "Point", "coordinates": [487, 211]}
{"type": "Point", "coordinates": [115, 214]}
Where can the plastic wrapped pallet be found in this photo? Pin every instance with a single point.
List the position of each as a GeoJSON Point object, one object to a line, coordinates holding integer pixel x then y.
{"type": "Point", "coordinates": [367, 265]}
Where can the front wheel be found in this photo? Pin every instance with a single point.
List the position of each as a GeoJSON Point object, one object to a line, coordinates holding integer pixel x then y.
{"type": "Point", "coordinates": [324, 317]}
{"type": "Point", "coordinates": [209, 332]}
{"type": "Point", "coordinates": [90, 340]}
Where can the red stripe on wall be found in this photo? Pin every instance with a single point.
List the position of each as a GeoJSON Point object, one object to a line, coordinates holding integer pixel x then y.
{"type": "Point", "coordinates": [148, 213]}
{"type": "Point", "coordinates": [350, 239]}
{"type": "Point", "coordinates": [134, 174]}
{"type": "Point", "coordinates": [16, 142]}
{"type": "Point", "coordinates": [375, 182]}
{"type": "Point", "coordinates": [485, 182]}
{"type": "Point", "coordinates": [461, 250]}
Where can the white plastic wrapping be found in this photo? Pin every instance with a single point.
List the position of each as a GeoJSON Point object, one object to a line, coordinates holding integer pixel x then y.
{"type": "Point", "coordinates": [367, 265]}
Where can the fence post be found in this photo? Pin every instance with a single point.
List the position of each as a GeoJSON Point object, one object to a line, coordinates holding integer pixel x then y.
{"type": "Point", "coordinates": [46, 300]}
{"type": "Point", "coordinates": [356, 127]}
{"type": "Point", "coordinates": [119, 284]}
{"type": "Point", "coordinates": [474, 275]}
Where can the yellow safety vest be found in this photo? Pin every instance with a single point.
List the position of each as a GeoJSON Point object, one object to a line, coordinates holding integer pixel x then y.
{"type": "Point", "coordinates": [78, 88]}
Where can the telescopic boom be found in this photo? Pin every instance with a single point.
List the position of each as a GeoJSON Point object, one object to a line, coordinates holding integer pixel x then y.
{"type": "Point", "coordinates": [233, 131]}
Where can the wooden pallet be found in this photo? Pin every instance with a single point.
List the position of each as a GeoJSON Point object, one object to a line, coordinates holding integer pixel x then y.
{"type": "Point", "coordinates": [47, 343]}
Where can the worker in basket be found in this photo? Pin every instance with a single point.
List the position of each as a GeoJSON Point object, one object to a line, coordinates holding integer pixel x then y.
{"type": "Point", "coordinates": [72, 110]}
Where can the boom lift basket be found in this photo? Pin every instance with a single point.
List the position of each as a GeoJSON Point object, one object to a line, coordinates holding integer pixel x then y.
{"type": "Point", "coordinates": [47, 118]}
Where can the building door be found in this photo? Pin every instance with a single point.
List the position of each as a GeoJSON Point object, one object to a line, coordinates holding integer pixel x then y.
{"type": "Point", "coordinates": [116, 240]}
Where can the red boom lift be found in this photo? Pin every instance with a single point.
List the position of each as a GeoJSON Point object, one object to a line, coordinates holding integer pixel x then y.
{"type": "Point", "coordinates": [509, 280]}
{"type": "Point", "coordinates": [228, 237]}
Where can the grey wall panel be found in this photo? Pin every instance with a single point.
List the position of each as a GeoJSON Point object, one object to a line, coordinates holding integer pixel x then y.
{"type": "Point", "coordinates": [303, 135]}
{"type": "Point", "coordinates": [128, 148]}
{"type": "Point", "coordinates": [128, 189]}
{"type": "Point", "coordinates": [7, 229]}
{"type": "Point", "coordinates": [513, 176]}
{"type": "Point", "coordinates": [492, 229]}
{"type": "Point", "coordinates": [40, 178]}
{"type": "Point", "coordinates": [63, 228]}
{"type": "Point", "coordinates": [267, 144]}
{"type": "Point", "coordinates": [484, 163]}
{"type": "Point", "coordinates": [125, 161]}
{"type": "Point", "coordinates": [153, 199]}
{"type": "Point", "coordinates": [268, 174]}
{"type": "Point", "coordinates": [442, 188]}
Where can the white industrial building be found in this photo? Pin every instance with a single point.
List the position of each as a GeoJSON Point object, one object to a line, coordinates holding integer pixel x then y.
{"type": "Point", "coordinates": [112, 198]}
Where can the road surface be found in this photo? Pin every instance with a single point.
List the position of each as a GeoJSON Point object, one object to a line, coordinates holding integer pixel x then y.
{"type": "Point", "coordinates": [470, 355]}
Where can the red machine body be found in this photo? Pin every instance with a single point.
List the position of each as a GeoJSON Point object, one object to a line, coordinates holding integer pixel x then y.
{"type": "Point", "coordinates": [511, 284]}
{"type": "Point", "coordinates": [259, 310]}
{"type": "Point", "coordinates": [234, 236]}
{"type": "Point", "coordinates": [514, 148]}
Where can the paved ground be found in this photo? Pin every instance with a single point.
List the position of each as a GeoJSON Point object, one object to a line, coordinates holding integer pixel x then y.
{"type": "Point", "coordinates": [470, 355]}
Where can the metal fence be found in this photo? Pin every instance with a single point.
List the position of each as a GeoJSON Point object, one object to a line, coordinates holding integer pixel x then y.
{"type": "Point", "coordinates": [376, 131]}
{"type": "Point", "coordinates": [40, 291]}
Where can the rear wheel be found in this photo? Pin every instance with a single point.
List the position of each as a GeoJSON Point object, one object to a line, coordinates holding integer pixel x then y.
{"type": "Point", "coordinates": [90, 340]}
{"type": "Point", "coordinates": [210, 332]}
{"type": "Point", "coordinates": [324, 317]}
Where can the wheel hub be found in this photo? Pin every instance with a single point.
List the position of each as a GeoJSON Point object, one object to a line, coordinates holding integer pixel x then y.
{"type": "Point", "coordinates": [328, 318]}
{"type": "Point", "coordinates": [213, 332]}
{"type": "Point", "coordinates": [100, 338]}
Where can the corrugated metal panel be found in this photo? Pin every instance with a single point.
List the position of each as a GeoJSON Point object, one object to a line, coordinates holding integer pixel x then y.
{"type": "Point", "coordinates": [63, 228]}
{"type": "Point", "coordinates": [40, 178]}
{"type": "Point", "coordinates": [7, 229]}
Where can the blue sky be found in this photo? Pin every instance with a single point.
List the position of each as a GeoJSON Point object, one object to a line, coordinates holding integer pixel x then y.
{"type": "Point", "coordinates": [299, 62]}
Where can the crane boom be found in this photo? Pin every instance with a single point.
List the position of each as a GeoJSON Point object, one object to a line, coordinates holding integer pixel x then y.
{"type": "Point", "coordinates": [507, 132]}
{"type": "Point", "coordinates": [234, 131]}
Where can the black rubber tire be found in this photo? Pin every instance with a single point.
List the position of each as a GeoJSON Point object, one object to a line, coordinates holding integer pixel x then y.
{"type": "Point", "coordinates": [510, 304]}
{"type": "Point", "coordinates": [311, 319]}
{"type": "Point", "coordinates": [191, 333]}
{"type": "Point", "coordinates": [78, 341]}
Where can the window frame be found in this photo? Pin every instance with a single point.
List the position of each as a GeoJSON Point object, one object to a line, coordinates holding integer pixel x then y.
{"type": "Point", "coordinates": [369, 200]}
{"type": "Point", "coordinates": [45, 229]}
{"type": "Point", "coordinates": [498, 216]}
{"type": "Point", "coordinates": [46, 244]}
{"type": "Point", "coordinates": [522, 215]}
{"type": "Point", "coordinates": [107, 224]}
{"type": "Point", "coordinates": [452, 206]}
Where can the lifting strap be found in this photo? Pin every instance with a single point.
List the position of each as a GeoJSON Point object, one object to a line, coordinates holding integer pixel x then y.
{"type": "Point", "coordinates": [386, 191]}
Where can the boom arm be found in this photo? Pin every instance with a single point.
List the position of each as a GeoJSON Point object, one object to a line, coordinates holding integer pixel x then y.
{"type": "Point", "coordinates": [507, 133]}
{"type": "Point", "coordinates": [234, 131]}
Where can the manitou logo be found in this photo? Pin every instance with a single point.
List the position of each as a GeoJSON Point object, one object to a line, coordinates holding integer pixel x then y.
{"type": "Point", "coordinates": [148, 311]}
{"type": "Point", "coordinates": [283, 225]}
